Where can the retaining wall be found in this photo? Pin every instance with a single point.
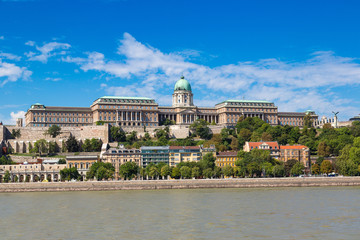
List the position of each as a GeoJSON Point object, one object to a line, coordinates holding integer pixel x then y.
{"type": "Point", "coordinates": [178, 184]}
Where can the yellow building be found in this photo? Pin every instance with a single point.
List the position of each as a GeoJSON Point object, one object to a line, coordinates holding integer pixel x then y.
{"type": "Point", "coordinates": [82, 163]}
{"type": "Point", "coordinates": [178, 154]}
{"type": "Point", "coordinates": [226, 159]}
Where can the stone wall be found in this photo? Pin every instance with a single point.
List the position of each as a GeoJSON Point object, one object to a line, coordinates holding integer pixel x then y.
{"type": "Point", "coordinates": [179, 184]}
{"type": "Point", "coordinates": [29, 135]}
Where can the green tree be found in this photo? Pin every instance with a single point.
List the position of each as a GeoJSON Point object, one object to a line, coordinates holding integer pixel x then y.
{"type": "Point", "coordinates": [16, 133]}
{"type": "Point", "coordinates": [279, 170]}
{"type": "Point", "coordinates": [208, 173]}
{"type": "Point", "coordinates": [165, 171]}
{"type": "Point", "coordinates": [40, 146]}
{"type": "Point", "coordinates": [53, 131]}
{"type": "Point", "coordinates": [72, 145]}
{"type": "Point", "coordinates": [7, 176]}
{"type": "Point", "coordinates": [117, 134]}
{"type": "Point", "coordinates": [323, 149]}
{"type": "Point", "coordinates": [99, 123]}
{"type": "Point", "coordinates": [6, 160]}
{"type": "Point", "coordinates": [62, 161]}
{"type": "Point", "coordinates": [288, 166]}
{"type": "Point", "coordinates": [315, 169]}
{"type": "Point", "coordinates": [86, 146]}
{"type": "Point", "coordinates": [195, 172]}
{"type": "Point", "coordinates": [153, 172]}
{"type": "Point", "coordinates": [326, 167]}
{"type": "Point", "coordinates": [266, 136]}
{"type": "Point", "coordinates": [128, 170]}
{"type": "Point", "coordinates": [185, 172]}
{"type": "Point", "coordinates": [228, 171]}
{"type": "Point", "coordinates": [307, 121]}
{"type": "Point", "coordinates": [53, 147]}
{"type": "Point", "coordinates": [16, 179]}
{"type": "Point", "coordinates": [101, 171]}
{"type": "Point", "coordinates": [208, 161]}
{"type": "Point", "coordinates": [297, 169]}
{"type": "Point", "coordinates": [132, 137]}
{"type": "Point", "coordinates": [200, 129]}
{"type": "Point", "coordinates": [175, 173]}
{"type": "Point", "coordinates": [268, 169]}
{"type": "Point", "coordinates": [254, 169]}
{"type": "Point", "coordinates": [95, 144]}
{"type": "Point", "coordinates": [69, 173]}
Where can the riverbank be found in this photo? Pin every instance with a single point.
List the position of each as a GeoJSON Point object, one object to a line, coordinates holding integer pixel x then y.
{"type": "Point", "coordinates": [179, 184]}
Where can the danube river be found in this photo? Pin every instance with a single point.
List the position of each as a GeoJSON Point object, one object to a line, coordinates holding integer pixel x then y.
{"type": "Point", "coordinates": [258, 213]}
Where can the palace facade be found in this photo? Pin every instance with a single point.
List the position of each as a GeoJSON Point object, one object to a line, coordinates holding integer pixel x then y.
{"type": "Point", "coordinates": [141, 111]}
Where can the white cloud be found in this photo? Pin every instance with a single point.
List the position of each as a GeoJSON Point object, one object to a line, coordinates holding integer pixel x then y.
{"type": "Point", "coordinates": [46, 51]}
{"type": "Point", "coordinates": [293, 85]}
{"type": "Point", "coordinates": [2, 37]}
{"type": "Point", "coordinates": [30, 43]}
{"type": "Point", "coordinates": [9, 72]}
{"type": "Point", "coordinates": [53, 79]}
{"type": "Point", "coordinates": [9, 56]}
{"type": "Point", "coordinates": [15, 115]}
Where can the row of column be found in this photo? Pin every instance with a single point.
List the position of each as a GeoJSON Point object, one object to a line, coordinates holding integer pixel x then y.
{"type": "Point", "coordinates": [32, 176]}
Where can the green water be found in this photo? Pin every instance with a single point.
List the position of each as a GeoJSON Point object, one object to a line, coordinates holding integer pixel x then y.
{"type": "Point", "coordinates": [277, 213]}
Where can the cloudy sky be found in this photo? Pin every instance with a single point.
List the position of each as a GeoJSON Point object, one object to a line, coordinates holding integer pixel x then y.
{"type": "Point", "coordinates": [299, 54]}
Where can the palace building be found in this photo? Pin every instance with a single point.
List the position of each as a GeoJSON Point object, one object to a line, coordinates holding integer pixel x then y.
{"type": "Point", "coordinates": [141, 111]}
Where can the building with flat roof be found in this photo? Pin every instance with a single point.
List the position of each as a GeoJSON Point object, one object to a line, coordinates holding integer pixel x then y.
{"type": "Point", "coordinates": [142, 111]}
{"type": "Point", "coordinates": [154, 154]}
{"type": "Point", "coordinates": [227, 158]}
{"type": "Point", "coordinates": [119, 156]}
{"type": "Point", "coordinates": [299, 153]}
{"type": "Point", "coordinates": [178, 154]}
{"type": "Point", "coordinates": [81, 163]}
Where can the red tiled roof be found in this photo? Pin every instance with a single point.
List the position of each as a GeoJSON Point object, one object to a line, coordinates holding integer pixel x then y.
{"type": "Point", "coordinates": [183, 147]}
{"type": "Point", "coordinates": [293, 147]}
{"type": "Point", "coordinates": [257, 144]}
{"type": "Point", "coordinates": [227, 154]}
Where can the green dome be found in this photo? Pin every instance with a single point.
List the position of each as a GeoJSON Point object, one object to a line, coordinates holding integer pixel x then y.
{"type": "Point", "coordinates": [182, 84]}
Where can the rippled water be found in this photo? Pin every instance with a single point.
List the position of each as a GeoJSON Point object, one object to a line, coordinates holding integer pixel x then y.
{"type": "Point", "coordinates": [277, 213]}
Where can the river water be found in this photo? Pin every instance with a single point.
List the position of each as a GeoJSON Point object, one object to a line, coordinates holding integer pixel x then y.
{"type": "Point", "coordinates": [258, 213]}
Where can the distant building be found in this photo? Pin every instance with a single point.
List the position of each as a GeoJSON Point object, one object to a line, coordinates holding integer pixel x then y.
{"type": "Point", "coordinates": [81, 163]}
{"type": "Point", "coordinates": [226, 159]}
{"type": "Point", "coordinates": [178, 154]}
{"type": "Point", "coordinates": [119, 156]}
{"type": "Point", "coordinates": [32, 172]}
{"type": "Point", "coordinates": [154, 154]}
{"type": "Point", "coordinates": [299, 153]}
{"type": "Point", "coordinates": [142, 111]}
{"type": "Point", "coordinates": [273, 147]}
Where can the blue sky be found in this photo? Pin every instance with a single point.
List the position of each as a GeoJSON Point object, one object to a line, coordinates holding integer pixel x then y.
{"type": "Point", "coordinates": [299, 54]}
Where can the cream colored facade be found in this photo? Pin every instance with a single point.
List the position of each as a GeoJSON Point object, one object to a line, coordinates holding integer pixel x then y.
{"type": "Point", "coordinates": [32, 172]}
{"type": "Point", "coordinates": [140, 112]}
{"type": "Point", "coordinates": [81, 163]}
{"type": "Point", "coordinates": [119, 156]}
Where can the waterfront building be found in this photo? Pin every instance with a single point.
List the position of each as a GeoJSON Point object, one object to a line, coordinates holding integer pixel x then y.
{"type": "Point", "coordinates": [142, 111]}
{"type": "Point", "coordinates": [154, 154]}
{"type": "Point", "coordinates": [81, 163]}
{"type": "Point", "coordinates": [226, 159]}
{"type": "Point", "coordinates": [178, 154]}
{"type": "Point", "coordinates": [32, 172]}
{"type": "Point", "coordinates": [273, 147]}
{"type": "Point", "coordinates": [299, 153]}
{"type": "Point", "coordinates": [119, 156]}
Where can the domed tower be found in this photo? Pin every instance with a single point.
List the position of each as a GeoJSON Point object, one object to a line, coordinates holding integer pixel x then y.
{"type": "Point", "coordinates": [182, 96]}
